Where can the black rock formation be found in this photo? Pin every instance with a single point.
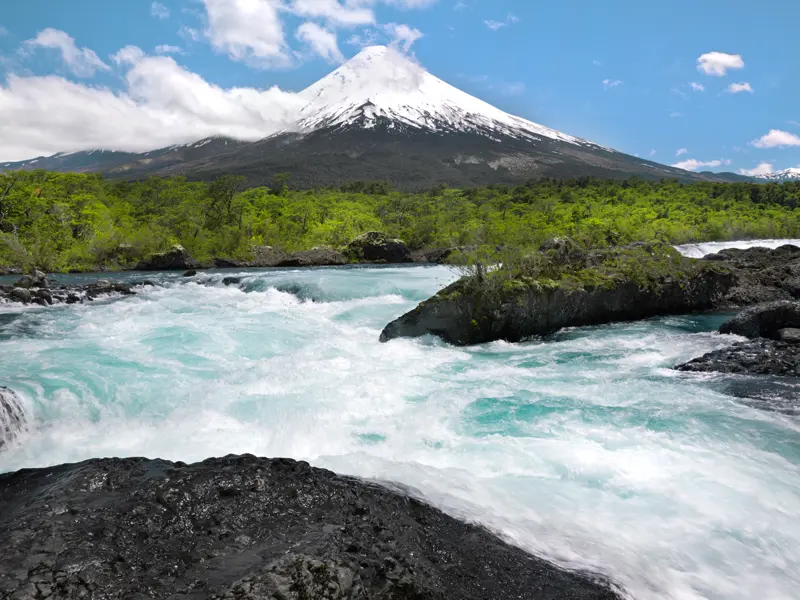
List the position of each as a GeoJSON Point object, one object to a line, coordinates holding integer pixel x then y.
{"type": "Point", "coordinates": [375, 246]}
{"type": "Point", "coordinates": [174, 259]}
{"type": "Point", "coordinates": [249, 528]}
{"type": "Point", "coordinates": [753, 357]}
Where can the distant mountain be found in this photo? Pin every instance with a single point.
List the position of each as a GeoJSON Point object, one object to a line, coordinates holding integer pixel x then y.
{"type": "Point", "coordinates": [727, 176]}
{"type": "Point", "coordinates": [382, 117]}
{"type": "Point", "coordinates": [791, 174]}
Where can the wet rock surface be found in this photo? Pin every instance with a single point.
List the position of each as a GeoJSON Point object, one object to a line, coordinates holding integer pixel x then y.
{"type": "Point", "coordinates": [764, 320]}
{"type": "Point", "coordinates": [62, 294]}
{"type": "Point", "coordinates": [249, 528]}
{"type": "Point", "coordinates": [753, 357]}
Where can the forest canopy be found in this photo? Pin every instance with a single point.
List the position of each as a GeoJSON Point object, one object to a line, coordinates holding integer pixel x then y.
{"type": "Point", "coordinates": [60, 222]}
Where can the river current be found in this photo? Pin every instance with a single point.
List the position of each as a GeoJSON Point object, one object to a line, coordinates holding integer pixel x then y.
{"type": "Point", "coordinates": [585, 447]}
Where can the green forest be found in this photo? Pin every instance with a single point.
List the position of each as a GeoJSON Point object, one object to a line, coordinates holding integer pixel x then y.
{"type": "Point", "coordinates": [61, 222]}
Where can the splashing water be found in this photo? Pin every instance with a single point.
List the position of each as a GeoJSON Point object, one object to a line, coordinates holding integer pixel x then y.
{"type": "Point", "coordinates": [585, 448]}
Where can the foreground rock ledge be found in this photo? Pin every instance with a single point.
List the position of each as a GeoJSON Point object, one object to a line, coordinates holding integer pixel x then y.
{"type": "Point", "coordinates": [249, 528]}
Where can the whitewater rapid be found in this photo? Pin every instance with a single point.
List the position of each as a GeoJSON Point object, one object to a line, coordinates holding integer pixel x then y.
{"type": "Point", "coordinates": [586, 448]}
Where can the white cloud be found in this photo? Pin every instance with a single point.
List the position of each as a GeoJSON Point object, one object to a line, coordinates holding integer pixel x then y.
{"type": "Point", "coordinates": [511, 19]}
{"type": "Point", "coordinates": [697, 87]}
{"type": "Point", "coordinates": [190, 34]}
{"type": "Point", "coordinates": [350, 14]}
{"type": "Point", "coordinates": [168, 49]}
{"type": "Point", "coordinates": [692, 164]}
{"type": "Point", "coordinates": [737, 88]}
{"type": "Point", "coordinates": [83, 62]}
{"type": "Point", "coordinates": [408, 4]}
{"type": "Point", "coordinates": [718, 63]}
{"type": "Point", "coordinates": [611, 83]}
{"type": "Point", "coordinates": [652, 153]}
{"type": "Point", "coordinates": [597, 63]}
{"type": "Point", "coordinates": [776, 138]}
{"type": "Point", "coordinates": [459, 5]}
{"type": "Point", "coordinates": [159, 11]}
{"type": "Point", "coordinates": [129, 55]}
{"type": "Point", "coordinates": [403, 36]}
{"type": "Point", "coordinates": [761, 169]}
{"type": "Point", "coordinates": [675, 114]}
{"type": "Point", "coordinates": [248, 30]}
{"type": "Point", "coordinates": [368, 37]}
{"type": "Point", "coordinates": [681, 151]}
{"type": "Point", "coordinates": [162, 104]}
{"type": "Point", "coordinates": [321, 41]}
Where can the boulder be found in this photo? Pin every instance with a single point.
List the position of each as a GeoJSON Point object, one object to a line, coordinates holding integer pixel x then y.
{"type": "Point", "coordinates": [316, 257]}
{"type": "Point", "coordinates": [267, 256]}
{"type": "Point", "coordinates": [190, 273]}
{"type": "Point", "coordinates": [231, 280]}
{"type": "Point", "coordinates": [21, 295]}
{"type": "Point", "coordinates": [790, 335]}
{"type": "Point", "coordinates": [438, 256]}
{"type": "Point", "coordinates": [249, 528]}
{"type": "Point", "coordinates": [12, 416]}
{"type": "Point", "coordinates": [537, 296]}
{"type": "Point", "coordinates": [753, 357]}
{"type": "Point", "coordinates": [36, 280]}
{"type": "Point", "coordinates": [764, 320]}
{"type": "Point", "coordinates": [375, 246]}
{"type": "Point", "coordinates": [174, 259]}
{"type": "Point", "coordinates": [229, 263]}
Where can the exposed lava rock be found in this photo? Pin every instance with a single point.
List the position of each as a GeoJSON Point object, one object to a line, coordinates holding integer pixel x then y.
{"type": "Point", "coordinates": [250, 528]}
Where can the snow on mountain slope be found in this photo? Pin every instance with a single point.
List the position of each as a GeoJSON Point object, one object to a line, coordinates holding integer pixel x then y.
{"type": "Point", "coordinates": [380, 82]}
{"type": "Point", "coordinates": [791, 174]}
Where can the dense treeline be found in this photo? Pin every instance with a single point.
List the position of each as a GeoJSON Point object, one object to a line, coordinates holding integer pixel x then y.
{"type": "Point", "coordinates": [80, 221]}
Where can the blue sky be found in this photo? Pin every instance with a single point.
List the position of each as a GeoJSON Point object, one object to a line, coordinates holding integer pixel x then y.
{"type": "Point", "coordinates": [622, 73]}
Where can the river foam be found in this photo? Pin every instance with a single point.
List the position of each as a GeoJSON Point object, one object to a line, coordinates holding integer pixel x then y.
{"type": "Point", "coordinates": [586, 448]}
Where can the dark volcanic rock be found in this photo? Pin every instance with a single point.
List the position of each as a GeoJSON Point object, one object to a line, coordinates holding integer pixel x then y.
{"type": "Point", "coordinates": [248, 528]}
{"type": "Point", "coordinates": [763, 275]}
{"type": "Point", "coordinates": [231, 280]}
{"type": "Point", "coordinates": [267, 256]}
{"type": "Point", "coordinates": [764, 320]}
{"type": "Point", "coordinates": [375, 246]}
{"type": "Point", "coordinates": [620, 284]}
{"type": "Point", "coordinates": [316, 257]}
{"type": "Point", "coordinates": [438, 255]}
{"type": "Point", "coordinates": [36, 280]}
{"type": "Point", "coordinates": [174, 259]}
{"type": "Point", "coordinates": [753, 357]}
{"type": "Point", "coordinates": [229, 263]}
{"type": "Point", "coordinates": [190, 273]}
{"type": "Point", "coordinates": [12, 417]}
{"type": "Point", "coordinates": [20, 295]}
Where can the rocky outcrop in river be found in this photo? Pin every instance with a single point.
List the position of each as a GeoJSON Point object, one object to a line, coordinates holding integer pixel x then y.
{"type": "Point", "coordinates": [774, 347]}
{"type": "Point", "coordinates": [175, 259]}
{"type": "Point", "coordinates": [377, 247]}
{"type": "Point", "coordinates": [38, 289]}
{"type": "Point", "coordinates": [248, 528]}
{"type": "Point", "coordinates": [543, 292]}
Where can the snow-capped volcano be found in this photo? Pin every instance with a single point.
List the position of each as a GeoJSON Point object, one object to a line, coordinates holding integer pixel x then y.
{"type": "Point", "coordinates": [791, 174]}
{"type": "Point", "coordinates": [381, 83]}
{"type": "Point", "coordinates": [382, 117]}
